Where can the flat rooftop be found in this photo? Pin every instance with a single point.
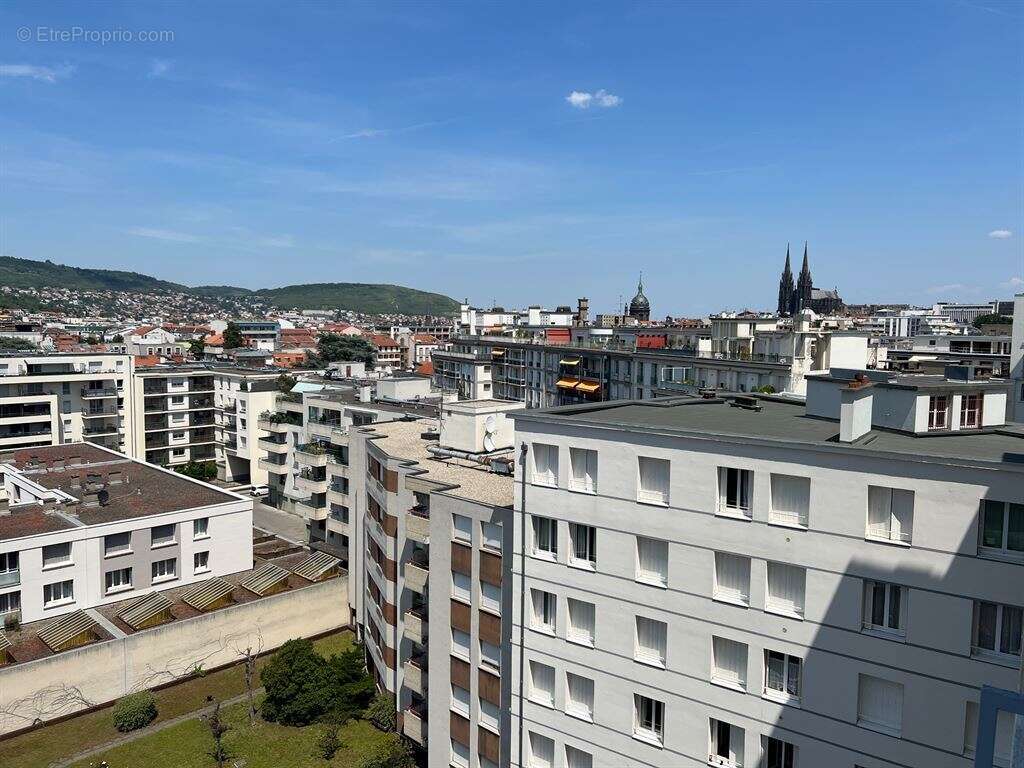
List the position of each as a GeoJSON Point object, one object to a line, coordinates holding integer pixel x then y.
{"type": "Point", "coordinates": [350, 398]}
{"type": "Point", "coordinates": [404, 440]}
{"type": "Point", "coordinates": [784, 423]}
{"type": "Point", "coordinates": [135, 489]}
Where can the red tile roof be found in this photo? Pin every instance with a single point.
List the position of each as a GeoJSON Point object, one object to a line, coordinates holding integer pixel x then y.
{"type": "Point", "coordinates": [425, 368]}
{"type": "Point", "coordinates": [382, 340]}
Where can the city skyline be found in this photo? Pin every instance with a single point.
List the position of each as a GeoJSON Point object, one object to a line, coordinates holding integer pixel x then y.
{"type": "Point", "coordinates": [441, 150]}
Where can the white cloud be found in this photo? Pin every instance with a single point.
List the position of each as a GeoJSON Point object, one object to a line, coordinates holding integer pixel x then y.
{"type": "Point", "coordinates": [1014, 282]}
{"type": "Point", "coordinates": [45, 74]}
{"type": "Point", "coordinates": [949, 288]}
{"type": "Point", "coordinates": [167, 235]}
{"type": "Point", "coordinates": [1000, 234]}
{"type": "Point", "coordinates": [159, 67]}
{"type": "Point", "coordinates": [585, 99]}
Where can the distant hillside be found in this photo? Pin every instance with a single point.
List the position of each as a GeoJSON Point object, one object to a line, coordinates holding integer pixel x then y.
{"type": "Point", "coordinates": [25, 273]}
{"type": "Point", "coordinates": [367, 298]}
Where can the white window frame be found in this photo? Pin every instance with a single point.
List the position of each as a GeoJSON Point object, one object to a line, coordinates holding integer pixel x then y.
{"type": "Point", "coordinates": [997, 653]}
{"type": "Point", "coordinates": [744, 508]}
{"type": "Point", "coordinates": [728, 594]}
{"type": "Point", "coordinates": [579, 709]}
{"type": "Point", "coordinates": [490, 535]}
{"type": "Point", "coordinates": [156, 543]}
{"type": "Point", "coordinates": [488, 658]}
{"type": "Point", "coordinates": [201, 561]}
{"type": "Point", "coordinates": [721, 647]}
{"type": "Point", "coordinates": [459, 754]}
{"type": "Point", "coordinates": [654, 732]}
{"type": "Point", "coordinates": [572, 633]}
{"type": "Point", "coordinates": [489, 601]}
{"type": "Point", "coordinates": [652, 656]}
{"type": "Point", "coordinates": [786, 756]}
{"type": "Point", "coordinates": [456, 704]}
{"type": "Point", "coordinates": [63, 561]}
{"type": "Point", "coordinates": [787, 517]}
{"type": "Point", "coordinates": [737, 735]}
{"type": "Point", "coordinates": [781, 571]}
{"type": "Point", "coordinates": [545, 621]}
{"type": "Point", "coordinates": [587, 481]}
{"type": "Point", "coordinates": [462, 587]}
{"type": "Point", "coordinates": [890, 529]}
{"type": "Point", "coordinates": [66, 591]}
{"type": "Point", "coordinates": [650, 577]}
{"type": "Point", "coordinates": [537, 524]}
{"type": "Point", "coordinates": [869, 722]}
{"type": "Point", "coordinates": [541, 694]}
{"type": "Point", "coordinates": [169, 573]}
{"type": "Point", "coordinates": [536, 740]}
{"type": "Point", "coordinates": [201, 528]}
{"type": "Point", "coordinates": [938, 412]}
{"type": "Point", "coordinates": [587, 536]}
{"type": "Point", "coordinates": [791, 690]}
{"type": "Point", "coordinates": [888, 589]}
{"type": "Point", "coordinates": [123, 584]}
{"type": "Point", "coordinates": [1003, 551]}
{"type": "Point", "coordinates": [653, 465]}
{"type": "Point", "coordinates": [546, 475]}
{"type": "Point", "coordinates": [114, 552]}
{"type": "Point", "coordinates": [462, 528]}
{"type": "Point", "coordinates": [459, 649]}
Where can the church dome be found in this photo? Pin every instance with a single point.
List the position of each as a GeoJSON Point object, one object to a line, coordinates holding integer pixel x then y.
{"type": "Point", "coordinates": [639, 306]}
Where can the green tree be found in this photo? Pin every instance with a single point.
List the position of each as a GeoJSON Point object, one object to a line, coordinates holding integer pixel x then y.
{"type": "Point", "coordinates": [91, 339]}
{"type": "Point", "coordinates": [391, 752]}
{"type": "Point", "coordinates": [333, 347]}
{"type": "Point", "coordinates": [197, 347]}
{"type": "Point", "coordinates": [13, 342]}
{"type": "Point", "coordinates": [118, 339]}
{"type": "Point", "coordinates": [981, 320]}
{"type": "Point", "coordinates": [285, 383]}
{"type": "Point", "coordinates": [233, 337]}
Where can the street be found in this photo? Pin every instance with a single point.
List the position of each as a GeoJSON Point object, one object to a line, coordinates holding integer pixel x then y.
{"type": "Point", "coordinates": [284, 524]}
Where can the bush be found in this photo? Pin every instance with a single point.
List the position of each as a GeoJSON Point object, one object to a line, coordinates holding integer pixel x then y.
{"type": "Point", "coordinates": [390, 753]}
{"type": "Point", "coordinates": [136, 710]}
{"type": "Point", "coordinates": [381, 712]}
{"type": "Point", "coordinates": [12, 621]}
{"type": "Point", "coordinates": [328, 742]}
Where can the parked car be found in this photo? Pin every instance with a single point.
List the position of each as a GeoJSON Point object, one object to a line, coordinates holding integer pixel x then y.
{"type": "Point", "coordinates": [259, 491]}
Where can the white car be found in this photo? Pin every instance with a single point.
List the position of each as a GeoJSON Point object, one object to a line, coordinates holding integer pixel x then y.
{"type": "Point", "coordinates": [259, 491]}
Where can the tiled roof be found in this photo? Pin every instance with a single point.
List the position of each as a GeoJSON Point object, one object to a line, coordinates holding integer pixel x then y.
{"type": "Point", "coordinates": [382, 340]}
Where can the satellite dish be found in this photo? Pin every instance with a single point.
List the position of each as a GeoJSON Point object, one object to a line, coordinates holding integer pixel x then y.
{"type": "Point", "coordinates": [490, 427]}
{"type": "Point", "coordinates": [488, 442]}
{"type": "Point", "coordinates": [103, 496]}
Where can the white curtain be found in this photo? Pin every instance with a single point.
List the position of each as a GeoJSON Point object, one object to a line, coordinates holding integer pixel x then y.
{"type": "Point", "coordinates": [542, 751]}
{"type": "Point", "coordinates": [880, 702]}
{"type": "Point", "coordinates": [652, 559]}
{"type": "Point", "coordinates": [651, 639]}
{"type": "Point", "coordinates": [732, 577]}
{"type": "Point", "coordinates": [654, 479]}
{"type": "Point", "coordinates": [581, 693]}
{"type": "Point", "coordinates": [902, 515]}
{"type": "Point", "coordinates": [890, 513]}
{"type": "Point", "coordinates": [584, 538]}
{"type": "Point", "coordinates": [584, 468]}
{"type": "Point", "coordinates": [577, 758]}
{"type": "Point", "coordinates": [542, 682]}
{"type": "Point", "coordinates": [581, 620]}
{"type": "Point", "coordinates": [786, 585]}
{"type": "Point", "coordinates": [545, 464]}
{"type": "Point", "coordinates": [791, 499]}
{"type": "Point", "coordinates": [730, 661]}
{"type": "Point", "coordinates": [543, 609]}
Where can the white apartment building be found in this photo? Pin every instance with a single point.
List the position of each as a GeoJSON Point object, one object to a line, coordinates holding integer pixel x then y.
{"type": "Point", "coordinates": [965, 314]}
{"type": "Point", "coordinates": [910, 322]}
{"type": "Point", "coordinates": [83, 526]}
{"type": "Point", "coordinates": [240, 398]}
{"type": "Point", "coordinates": [473, 321]}
{"type": "Point", "coordinates": [64, 398]}
{"type": "Point", "coordinates": [1016, 409]}
{"type": "Point", "coordinates": [759, 582]}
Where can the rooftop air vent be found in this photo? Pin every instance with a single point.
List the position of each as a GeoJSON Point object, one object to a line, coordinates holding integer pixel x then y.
{"type": "Point", "coordinates": [747, 402]}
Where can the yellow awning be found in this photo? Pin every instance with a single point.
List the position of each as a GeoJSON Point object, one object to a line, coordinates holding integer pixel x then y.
{"type": "Point", "coordinates": [588, 387]}
{"type": "Point", "coordinates": [567, 361]}
{"type": "Point", "coordinates": [497, 352]}
{"type": "Point", "coordinates": [566, 383]}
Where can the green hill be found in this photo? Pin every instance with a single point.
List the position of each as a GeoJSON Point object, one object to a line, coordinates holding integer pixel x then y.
{"type": "Point", "coordinates": [368, 298]}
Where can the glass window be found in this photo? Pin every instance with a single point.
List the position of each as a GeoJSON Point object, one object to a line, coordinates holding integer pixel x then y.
{"type": "Point", "coordinates": [648, 718]}
{"type": "Point", "coordinates": [200, 528]}
{"type": "Point", "coordinates": [579, 696]}
{"type": "Point", "coordinates": [890, 514]}
{"type": "Point", "coordinates": [778, 753]}
{"type": "Point", "coordinates": [490, 535]}
{"type": "Point", "coordinates": [490, 655]}
{"type": "Point", "coordinates": [734, 490]}
{"type": "Point", "coordinates": [164, 570]}
{"type": "Point", "coordinates": [997, 629]}
{"type": "Point", "coordinates": [544, 607]}
{"type": "Point", "coordinates": [162, 534]}
{"type": "Point", "coordinates": [117, 543]}
{"type": "Point", "coordinates": [460, 643]}
{"type": "Point", "coordinates": [884, 607]}
{"type": "Point", "coordinates": [577, 758]}
{"type": "Point", "coordinates": [652, 561]}
{"type": "Point", "coordinates": [542, 751]}
{"type": "Point", "coordinates": [938, 412]}
{"type": "Point", "coordinates": [726, 744]}
{"type": "Point", "coordinates": [580, 628]}
{"type": "Point", "coordinates": [545, 464]}
{"type": "Point", "coordinates": [542, 684]}
{"type": "Point", "coordinates": [201, 562]}
{"type": "Point", "coordinates": [782, 676]}
{"type": "Point", "coordinates": [545, 537]}
{"type": "Point", "coordinates": [490, 597]}
{"type": "Point", "coordinates": [59, 592]}
{"type": "Point", "coordinates": [584, 470]}
{"type": "Point", "coordinates": [463, 527]}
{"type": "Point", "coordinates": [460, 700]}
{"type": "Point", "coordinates": [651, 641]}
{"type": "Point", "coordinates": [1002, 529]}
{"type": "Point", "coordinates": [791, 500]}
{"type": "Point", "coordinates": [786, 587]}
{"type": "Point", "coordinates": [880, 705]}
{"type": "Point", "coordinates": [118, 580]}
{"type": "Point", "coordinates": [56, 554]}
{"type": "Point", "coordinates": [729, 662]}
{"type": "Point", "coordinates": [461, 586]}
{"type": "Point", "coordinates": [583, 545]}
{"type": "Point", "coordinates": [653, 480]}
{"type": "Point", "coordinates": [732, 578]}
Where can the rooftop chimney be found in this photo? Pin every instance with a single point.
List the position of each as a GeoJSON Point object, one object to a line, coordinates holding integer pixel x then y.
{"type": "Point", "coordinates": [583, 311]}
{"type": "Point", "coordinates": [855, 403]}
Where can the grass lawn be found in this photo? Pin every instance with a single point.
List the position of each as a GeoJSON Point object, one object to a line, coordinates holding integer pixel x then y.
{"type": "Point", "coordinates": [266, 746]}
{"type": "Point", "coordinates": [39, 748]}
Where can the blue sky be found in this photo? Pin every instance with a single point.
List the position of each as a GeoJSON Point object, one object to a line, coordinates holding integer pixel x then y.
{"type": "Point", "coordinates": [523, 152]}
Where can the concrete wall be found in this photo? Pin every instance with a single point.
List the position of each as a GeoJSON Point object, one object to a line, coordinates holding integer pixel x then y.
{"type": "Point", "coordinates": [105, 671]}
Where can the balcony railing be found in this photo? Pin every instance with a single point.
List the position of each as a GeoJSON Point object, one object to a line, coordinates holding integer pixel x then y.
{"type": "Point", "coordinates": [95, 413]}
{"type": "Point", "coordinates": [99, 391]}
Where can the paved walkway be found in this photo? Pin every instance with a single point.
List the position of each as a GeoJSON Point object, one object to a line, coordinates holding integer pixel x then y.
{"type": "Point", "coordinates": [287, 525]}
{"type": "Point", "coordinates": [149, 731]}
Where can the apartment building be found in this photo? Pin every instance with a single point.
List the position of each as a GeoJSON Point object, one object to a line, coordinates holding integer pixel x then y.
{"type": "Point", "coordinates": [240, 397]}
{"type": "Point", "coordinates": [1015, 410]}
{"type": "Point", "coordinates": [431, 594]}
{"type": "Point", "coordinates": [64, 398]}
{"type": "Point", "coordinates": [988, 355]}
{"type": "Point", "coordinates": [387, 351]}
{"type": "Point", "coordinates": [83, 526]}
{"type": "Point", "coordinates": [756, 581]}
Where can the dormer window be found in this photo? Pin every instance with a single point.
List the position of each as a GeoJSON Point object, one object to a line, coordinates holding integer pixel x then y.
{"type": "Point", "coordinates": [938, 412]}
{"type": "Point", "coordinates": [970, 411]}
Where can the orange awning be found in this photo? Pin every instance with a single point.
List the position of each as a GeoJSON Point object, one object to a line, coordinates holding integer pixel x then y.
{"type": "Point", "coordinates": [567, 383]}
{"type": "Point", "coordinates": [569, 361]}
{"type": "Point", "coordinates": [588, 387]}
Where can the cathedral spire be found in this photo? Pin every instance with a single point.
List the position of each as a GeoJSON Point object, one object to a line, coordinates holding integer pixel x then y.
{"type": "Point", "coordinates": [786, 288]}
{"type": "Point", "coordinates": [804, 284]}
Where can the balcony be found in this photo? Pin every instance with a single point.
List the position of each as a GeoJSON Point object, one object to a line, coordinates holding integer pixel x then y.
{"type": "Point", "coordinates": [416, 572]}
{"type": "Point", "coordinates": [417, 524]}
{"type": "Point", "coordinates": [416, 674]}
{"type": "Point", "coordinates": [272, 466]}
{"type": "Point", "coordinates": [10, 438]}
{"type": "Point", "coordinates": [98, 413]}
{"type": "Point", "coordinates": [322, 428]}
{"type": "Point", "coordinates": [338, 459]}
{"type": "Point", "coordinates": [311, 454]}
{"type": "Point", "coordinates": [272, 446]}
{"type": "Point", "coordinates": [310, 481]}
{"type": "Point", "coordinates": [276, 423]}
{"type": "Point", "coordinates": [231, 407]}
{"type": "Point", "coordinates": [414, 724]}
{"type": "Point", "coordinates": [10, 578]}
{"type": "Point", "coordinates": [90, 392]}
{"type": "Point", "coordinates": [415, 623]}
{"type": "Point", "coordinates": [313, 508]}
{"type": "Point", "coordinates": [157, 442]}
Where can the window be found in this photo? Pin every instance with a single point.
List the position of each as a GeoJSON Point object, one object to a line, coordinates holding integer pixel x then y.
{"type": "Point", "coordinates": [880, 705]}
{"type": "Point", "coordinates": [201, 562]}
{"type": "Point", "coordinates": [490, 655]}
{"type": "Point", "coordinates": [462, 527]}
{"type": "Point", "coordinates": [545, 537]}
{"type": "Point", "coordinates": [778, 753]}
{"type": "Point", "coordinates": [577, 758]}
{"type": "Point", "coordinates": [59, 593]}
{"type": "Point", "coordinates": [579, 696]}
{"type": "Point", "coordinates": [490, 535]}
{"type": "Point", "coordinates": [786, 586]}
{"type": "Point", "coordinates": [161, 535]}
{"type": "Point", "coordinates": [1002, 529]}
{"type": "Point", "coordinates": [584, 470]}
{"type": "Point", "coordinates": [118, 580]}
{"type": "Point", "coordinates": [542, 684]}
{"type": "Point", "coordinates": [997, 629]}
{"type": "Point", "coordinates": [10, 601]}
{"type": "Point", "coordinates": [583, 546]}
{"type": "Point", "coordinates": [884, 607]}
{"type": "Point", "coordinates": [654, 480]}
{"type": "Point", "coordinates": [201, 528]}
{"type": "Point", "coordinates": [164, 570]}
{"type": "Point", "coordinates": [782, 677]}
{"type": "Point", "coordinates": [460, 643]}
{"type": "Point", "coordinates": [729, 663]}
{"type": "Point", "coordinates": [545, 464]}
{"type": "Point", "coordinates": [890, 514]}
{"type": "Point", "coordinates": [734, 491]}
{"type": "Point", "coordinates": [544, 607]}
{"type": "Point", "coordinates": [648, 718]}
{"type": "Point", "coordinates": [490, 714]}
{"type": "Point", "coordinates": [461, 587]}
{"type": "Point", "coordinates": [652, 561]}
{"type": "Point", "coordinates": [490, 597]}
{"type": "Point", "coordinates": [460, 700]}
{"type": "Point", "coordinates": [8, 565]}
{"type": "Point", "coordinates": [726, 744]}
{"type": "Point", "coordinates": [651, 641]}
{"type": "Point", "coordinates": [732, 578]}
{"type": "Point", "coordinates": [791, 500]}
{"type": "Point", "coordinates": [581, 622]}
{"type": "Point", "coordinates": [938, 412]}
{"type": "Point", "coordinates": [178, 400]}
{"type": "Point", "coordinates": [542, 751]}
{"type": "Point", "coordinates": [970, 411]}
{"type": "Point", "coordinates": [1003, 748]}
{"type": "Point", "coordinates": [117, 544]}
{"type": "Point", "coordinates": [460, 754]}
{"type": "Point", "coordinates": [56, 555]}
